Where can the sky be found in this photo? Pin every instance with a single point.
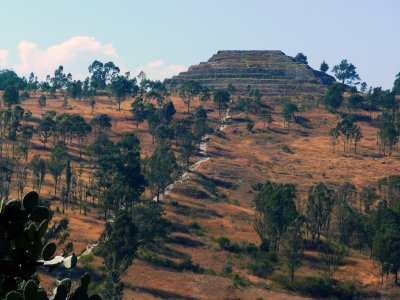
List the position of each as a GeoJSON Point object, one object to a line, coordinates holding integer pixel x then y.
{"type": "Point", "coordinates": [165, 37]}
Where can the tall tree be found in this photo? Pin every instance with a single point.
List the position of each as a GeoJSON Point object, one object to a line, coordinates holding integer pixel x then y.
{"type": "Point", "coordinates": [56, 164]}
{"type": "Point", "coordinates": [346, 72]}
{"type": "Point", "coordinates": [118, 245]}
{"type": "Point", "coordinates": [275, 210]}
{"type": "Point", "coordinates": [301, 58]}
{"type": "Point", "coordinates": [292, 248]}
{"type": "Point", "coordinates": [319, 209]}
{"type": "Point", "coordinates": [11, 96]}
{"type": "Point", "coordinates": [288, 113]}
{"type": "Point", "coordinates": [324, 67]}
{"type": "Point", "coordinates": [334, 97]}
{"type": "Point", "coordinates": [188, 91]}
{"type": "Point", "coordinates": [222, 99]}
{"type": "Point", "coordinates": [159, 169]}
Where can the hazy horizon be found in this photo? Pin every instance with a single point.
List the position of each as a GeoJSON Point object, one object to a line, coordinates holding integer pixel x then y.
{"type": "Point", "coordinates": [164, 39]}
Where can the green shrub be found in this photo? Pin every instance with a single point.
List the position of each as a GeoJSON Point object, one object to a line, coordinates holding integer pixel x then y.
{"type": "Point", "coordinates": [263, 264]}
{"type": "Point", "coordinates": [287, 149]}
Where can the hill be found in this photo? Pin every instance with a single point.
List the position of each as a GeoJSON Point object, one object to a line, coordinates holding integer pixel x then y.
{"type": "Point", "coordinates": [271, 72]}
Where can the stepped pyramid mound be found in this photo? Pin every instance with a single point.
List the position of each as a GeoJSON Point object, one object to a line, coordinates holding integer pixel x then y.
{"type": "Point", "coordinates": [270, 71]}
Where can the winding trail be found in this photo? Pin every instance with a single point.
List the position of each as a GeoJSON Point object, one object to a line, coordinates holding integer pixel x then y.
{"type": "Point", "coordinates": [203, 152]}
{"type": "Point", "coordinates": [186, 175]}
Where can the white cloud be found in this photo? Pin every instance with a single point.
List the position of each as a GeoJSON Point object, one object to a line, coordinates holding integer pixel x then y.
{"type": "Point", "coordinates": [158, 70]}
{"type": "Point", "coordinates": [42, 62]}
{"type": "Point", "coordinates": [3, 58]}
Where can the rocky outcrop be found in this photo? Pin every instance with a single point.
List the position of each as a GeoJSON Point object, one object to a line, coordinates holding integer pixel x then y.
{"type": "Point", "coordinates": [272, 72]}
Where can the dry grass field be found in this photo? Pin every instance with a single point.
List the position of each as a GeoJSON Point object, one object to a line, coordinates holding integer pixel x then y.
{"type": "Point", "coordinates": [218, 196]}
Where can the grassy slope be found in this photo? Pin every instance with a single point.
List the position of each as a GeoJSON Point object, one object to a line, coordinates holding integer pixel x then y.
{"type": "Point", "coordinates": [239, 160]}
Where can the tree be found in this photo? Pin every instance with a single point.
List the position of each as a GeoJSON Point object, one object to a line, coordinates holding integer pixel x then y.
{"type": "Point", "coordinates": [334, 97]}
{"type": "Point", "coordinates": [102, 74]}
{"type": "Point", "coordinates": [396, 85]}
{"type": "Point", "coordinates": [128, 180]}
{"type": "Point", "coordinates": [38, 172]}
{"type": "Point", "coordinates": [204, 94]}
{"type": "Point", "coordinates": [188, 91]}
{"type": "Point", "coordinates": [81, 129]}
{"type": "Point", "coordinates": [275, 210]}
{"type": "Point", "coordinates": [301, 58]}
{"type": "Point", "coordinates": [159, 169]}
{"type": "Point", "coordinates": [346, 72]}
{"type": "Point", "coordinates": [56, 164]}
{"type": "Point", "coordinates": [45, 129]}
{"type": "Point", "coordinates": [350, 133]}
{"type": "Point", "coordinates": [387, 134]}
{"type": "Point", "coordinates": [118, 245]}
{"type": "Point", "coordinates": [386, 241]}
{"type": "Point", "coordinates": [292, 248]}
{"type": "Point", "coordinates": [355, 102]}
{"type": "Point", "coordinates": [101, 123]}
{"type": "Point", "coordinates": [138, 110]}
{"type": "Point", "coordinates": [368, 196]}
{"type": "Point", "coordinates": [332, 254]}
{"type": "Point", "coordinates": [163, 133]}
{"type": "Point", "coordinates": [185, 139]}
{"type": "Point", "coordinates": [231, 89]}
{"type": "Point", "coordinates": [121, 87]}
{"type": "Point", "coordinates": [318, 209]}
{"type": "Point", "coordinates": [42, 101]}
{"type": "Point", "coordinates": [288, 113]}
{"type": "Point", "coordinates": [363, 87]}
{"type": "Point", "coordinates": [222, 99]}
{"type": "Point", "coordinates": [200, 127]}
{"type": "Point", "coordinates": [324, 67]}
{"type": "Point", "coordinates": [266, 117]}
{"type": "Point", "coordinates": [168, 111]}
{"type": "Point", "coordinates": [11, 96]}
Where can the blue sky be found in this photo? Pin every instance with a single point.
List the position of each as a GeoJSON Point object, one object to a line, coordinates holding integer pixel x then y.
{"type": "Point", "coordinates": [165, 37]}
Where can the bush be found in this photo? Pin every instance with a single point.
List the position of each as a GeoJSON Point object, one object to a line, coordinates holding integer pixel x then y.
{"type": "Point", "coordinates": [157, 260]}
{"type": "Point", "coordinates": [263, 264]}
{"type": "Point", "coordinates": [287, 149]}
{"type": "Point", "coordinates": [240, 281]}
{"type": "Point", "coordinates": [223, 242]}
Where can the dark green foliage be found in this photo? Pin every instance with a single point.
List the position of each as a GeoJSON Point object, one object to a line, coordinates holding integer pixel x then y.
{"type": "Point", "coordinates": [319, 209]}
{"type": "Point", "coordinates": [11, 96]}
{"type": "Point", "coordinates": [332, 255]}
{"type": "Point", "coordinates": [264, 263]}
{"type": "Point", "coordinates": [334, 97]}
{"type": "Point", "coordinates": [160, 169]}
{"type": "Point", "coordinates": [292, 247]}
{"type": "Point", "coordinates": [121, 87]}
{"type": "Point", "coordinates": [288, 113]}
{"type": "Point", "coordinates": [10, 78]}
{"type": "Point", "coordinates": [301, 58]}
{"type": "Point", "coordinates": [324, 67]}
{"type": "Point", "coordinates": [158, 260]}
{"type": "Point", "coordinates": [222, 100]}
{"type": "Point", "coordinates": [275, 210]}
{"type": "Point", "coordinates": [346, 72]}
{"type": "Point", "coordinates": [101, 123]}
{"type": "Point", "coordinates": [188, 91]}
{"type": "Point", "coordinates": [102, 74]}
{"type": "Point", "coordinates": [42, 101]}
{"type": "Point", "coordinates": [349, 132]}
{"type": "Point", "coordinates": [396, 85]}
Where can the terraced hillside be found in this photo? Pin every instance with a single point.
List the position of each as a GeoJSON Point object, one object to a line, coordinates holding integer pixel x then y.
{"type": "Point", "coordinates": [272, 72]}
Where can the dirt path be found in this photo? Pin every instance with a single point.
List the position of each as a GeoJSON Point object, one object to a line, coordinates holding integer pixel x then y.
{"type": "Point", "coordinates": [203, 152]}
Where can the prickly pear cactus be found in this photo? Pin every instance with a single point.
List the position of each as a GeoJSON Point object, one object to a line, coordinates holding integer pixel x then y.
{"type": "Point", "coordinates": [23, 225]}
